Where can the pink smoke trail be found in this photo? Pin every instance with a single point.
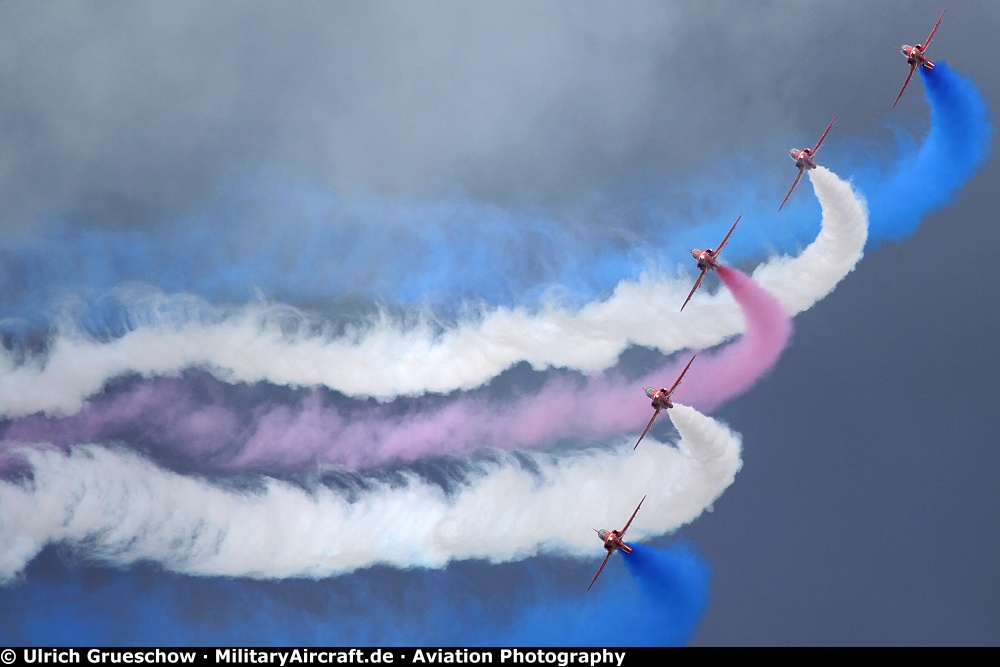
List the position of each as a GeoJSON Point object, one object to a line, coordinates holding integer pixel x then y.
{"type": "Point", "coordinates": [168, 414]}
{"type": "Point", "coordinates": [720, 377]}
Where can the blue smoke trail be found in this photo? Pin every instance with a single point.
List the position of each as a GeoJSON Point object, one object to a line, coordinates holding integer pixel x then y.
{"type": "Point", "coordinates": [543, 602]}
{"type": "Point", "coordinates": [958, 143]}
{"type": "Point", "coordinates": [672, 575]}
{"type": "Point", "coordinates": [297, 243]}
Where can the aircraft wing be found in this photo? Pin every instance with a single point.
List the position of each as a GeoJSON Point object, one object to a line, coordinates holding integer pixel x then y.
{"type": "Point", "coordinates": [725, 239]}
{"type": "Point", "coordinates": [650, 424]}
{"type": "Point", "coordinates": [681, 376]}
{"type": "Point", "coordinates": [693, 289]}
{"type": "Point", "coordinates": [599, 570]}
{"type": "Point", "coordinates": [631, 517]}
{"type": "Point", "coordinates": [933, 30]}
{"type": "Point", "coordinates": [826, 132]}
{"type": "Point", "coordinates": [912, 67]}
{"type": "Point", "coordinates": [794, 183]}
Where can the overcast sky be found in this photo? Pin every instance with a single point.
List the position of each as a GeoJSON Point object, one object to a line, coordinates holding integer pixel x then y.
{"type": "Point", "coordinates": [865, 510]}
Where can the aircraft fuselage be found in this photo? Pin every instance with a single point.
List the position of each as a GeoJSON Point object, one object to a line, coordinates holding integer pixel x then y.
{"type": "Point", "coordinates": [915, 55]}
{"type": "Point", "coordinates": [613, 541]}
{"type": "Point", "coordinates": [803, 158]}
{"type": "Point", "coordinates": [705, 258]}
{"type": "Point", "coordinates": [660, 397]}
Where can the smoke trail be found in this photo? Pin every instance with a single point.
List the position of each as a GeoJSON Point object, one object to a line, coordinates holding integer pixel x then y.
{"type": "Point", "coordinates": [537, 602]}
{"type": "Point", "coordinates": [956, 146]}
{"type": "Point", "coordinates": [194, 421]}
{"type": "Point", "coordinates": [283, 346]}
{"type": "Point", "coordinates": [117, 507]}
{"type": "Point", "coordinates": [799, 282]}
{"type": "Point", "coordinates": [725, 374]}
{"type": "Point", "coordinates": [667, 577]}
{"type": "Point", "coordinates": [299, 243]}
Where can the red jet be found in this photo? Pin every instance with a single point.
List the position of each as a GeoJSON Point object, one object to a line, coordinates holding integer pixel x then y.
{"type": "Point", "coordinates": [915, 56]}
{"type": "Point", "coordinates": [707, 261]}
{"type": "Point", "coordinates": [613, 542]}
{"type": "Point", "coordinates": [661, 399]}
{"type": "Point", "coordinates": [804, 160]}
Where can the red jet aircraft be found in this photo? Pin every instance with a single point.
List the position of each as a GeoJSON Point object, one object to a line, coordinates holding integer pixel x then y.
{"type": "Point", "coordinates": [707, 261]}
{"type": "Point", "coordinates": [804, 160]}
{"type": "Point", "coordinates": [915, 56]}
{"type": "Point", "coordinates": [613, 542]}
{"type": "Point", "coordinates": [661, 399]}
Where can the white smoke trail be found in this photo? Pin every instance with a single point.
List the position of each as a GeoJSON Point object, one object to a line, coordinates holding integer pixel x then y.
{"type": "Point", "coordinates": [801, 281]}
{"type": "Point", "coordinates": [116, 507]}
{"type": "Point", "coordinates": [385, 359]}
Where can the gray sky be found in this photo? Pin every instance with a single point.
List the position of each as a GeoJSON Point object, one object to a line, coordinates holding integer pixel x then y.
{"type": "Point", "coordinates": [866, 510]}
{"type": "Point", "coordinates": [514, 99]}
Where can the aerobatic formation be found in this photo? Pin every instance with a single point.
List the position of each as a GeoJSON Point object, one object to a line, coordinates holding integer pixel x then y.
{"type": "Point", "coordinates": [261, 441]}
